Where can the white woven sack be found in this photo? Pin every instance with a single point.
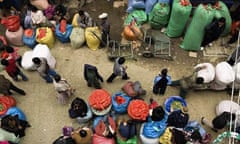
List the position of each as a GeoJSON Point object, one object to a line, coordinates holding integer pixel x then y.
{"type": "Point", "coordinates": [146, 140]}
{"type": "Point", "coordinates": [228, 106]}
{"type": "Point", "coordinates": [15, 38]}
{"type": "Point", "coordinates": [77, 37]}
{"type": "Point", "coordinates": [236, 69]}
{"type": "Point", "coordinates": [26, 62]}
{"type": "Point", "coordinates": [41, 50]}
{"type": "Point", "coordinates": [207, 73]}
{"type": "Point", "coordinates": [224, 74]}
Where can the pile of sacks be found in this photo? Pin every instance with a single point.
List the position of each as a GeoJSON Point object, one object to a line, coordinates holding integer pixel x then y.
{"type": "Point", "coordinates": [13, 121]}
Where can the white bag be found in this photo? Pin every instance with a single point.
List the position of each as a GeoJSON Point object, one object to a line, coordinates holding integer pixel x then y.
{"type": "Point", "coordinates": [26, 62]}
{"type": "Point", "coordinates": [207, 72]}
{"type": "Point", "coordinates": [229, 106]}
{"type": "Point", "coordinates": [15, 38]}
{"type": "Point", "coordinates": [41, 50]}
{"type": "Point", "coordinates": [236, 69]}
{"type": "Point", "coordinates": [224, 73]}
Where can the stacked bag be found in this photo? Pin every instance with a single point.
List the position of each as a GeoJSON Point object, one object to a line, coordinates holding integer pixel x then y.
{"type": "Point", "coordinates": [14, 31]}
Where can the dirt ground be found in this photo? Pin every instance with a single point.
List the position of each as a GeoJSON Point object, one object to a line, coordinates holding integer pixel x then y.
{"type": "Point", "coordinates": [47, 117]}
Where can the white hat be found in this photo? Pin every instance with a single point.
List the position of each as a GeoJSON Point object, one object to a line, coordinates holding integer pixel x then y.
{"type": "Point", "coordinates": [103, 15]}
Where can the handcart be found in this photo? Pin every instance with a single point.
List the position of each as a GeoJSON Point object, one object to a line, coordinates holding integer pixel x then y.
{"type": "Point", "coordinates": [153, 44]}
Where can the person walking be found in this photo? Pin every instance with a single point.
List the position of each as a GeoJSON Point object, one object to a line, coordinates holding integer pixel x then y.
{"type": "Point", "coordinates": [160, 82]}
{"type": "Point", "coordinates": [105, 29]}
{"type": "Point", "coordinates": [13, 70]}
{"type": "Point", "coordinates": [119, 70]}
{"type": "Point", "coordinates": [44, 69]}
{"type": "Point", "coordinates": [63, 88]}
{"type": "Point", "coordinates": [92, 76]}
{"type": "Point", "coordinates": [6, 86]}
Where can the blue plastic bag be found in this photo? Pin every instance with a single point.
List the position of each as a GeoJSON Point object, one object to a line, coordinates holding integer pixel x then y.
{"type": "Point", "coordinates": [30, 41]}
{"type": "Point", "coordinates": [120, 108]}
{"type": "Point", "coordinates": [13, 111]}
{"type": "Point", "coordinates": [64, 37]}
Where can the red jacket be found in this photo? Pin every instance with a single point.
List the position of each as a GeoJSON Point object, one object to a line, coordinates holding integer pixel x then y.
{"type": "Point", "coordinates": [12, 68]}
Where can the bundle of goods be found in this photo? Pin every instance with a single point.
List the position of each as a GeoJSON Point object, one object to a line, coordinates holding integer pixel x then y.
{"type": "Point", "coordinates": [44, 35]}
{"type": "Point", "coordinates": [42, 50]}
{"type": "Point", "coordinates": [147, 140]}
{"type": "Point", "coordinates": [202, 17]}
{"type": "Point", "coordinates": [224, 74]}
{"type": "Point", "coordinates": [100, 102]}
{"type": "Point", "coordinates": [126, 132]}
{"type": "Point", "coordinates": [63, 31]}
{"type": "Point", "coordinates": [93, 37]}
{"type": "Point", "coordinates": [133, 89]}
{"type": "Point", "coordinates": [138, 110]}
{"type": "Point", "coordinates": [6, 102]}
{"type": "Point", "coordinates": [132, 32]}
{"type": "Point", "coordinates": [77, 37]}
{"type": "Point", "coordinates": [181, 10]}
{"type": "Point", "coordinates": [138, 15]}
{"type": "Point", "coordinates": [135, 4]}
{"type": "Point", "coordinates": [120, 102]}
{"type": "Point", "coordinates": [159, 16]}
{"type": "Point", "coordinates": [149, 4]}
{"type": "Point", "coordinates": [50, 12]}
{"type": "Point", "coordinates": [29, 38]}
{"type": "Point", "coordinates": [15, 38]}
{"type": "Point", "coordinates": [229, 106]}
{"type": "Point", "coordinates": [173, 103]}
{"type": "Point", "coordinates": [40, 4]}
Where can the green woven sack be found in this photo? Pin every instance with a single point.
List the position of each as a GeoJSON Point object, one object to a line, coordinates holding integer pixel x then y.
{"type": "Point", "coordinates": [195, 32]}
{"type": "Point", "coordinates": [178, 19]}
{"type": "Point", "coordinates": [159, 15]}
{"type": "Point", "coordinates": [139, 15]}
{"type": "Point", "coordinates": [224, 12]}
{"type": "Point", "coordinates": [77, 37]}
{"type": "Point", "coordinates": [133, 140]}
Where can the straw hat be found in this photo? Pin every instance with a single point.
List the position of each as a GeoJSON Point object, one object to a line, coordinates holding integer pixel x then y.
{"type": "Point", "coordinates": [103, 15]}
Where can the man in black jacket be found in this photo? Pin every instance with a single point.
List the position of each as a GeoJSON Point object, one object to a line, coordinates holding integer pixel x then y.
{"type": "Point", "coordinates": [92, 76]}
{"type": "Point", "coordinates": [213, 31]}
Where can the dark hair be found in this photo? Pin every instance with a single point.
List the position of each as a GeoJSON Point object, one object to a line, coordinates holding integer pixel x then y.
{"type": "Point", "coordinates": [57, 78]}
{"type": "Point", "coordinates": [221, 120]}
{"type": "Point", "coordinates": [83, 133]}
{"type": "Point", "coordinates": [9, 49]}
{"type": "Point", "coordinates": [222, 19]}
{"type": "Point", "coordinates": [199, 80]}
{"type": "Point", "coordinates": [196, 136]}
{"type": "Point", "coordinates": [4, 62]}
{"type": "Point", "coordinates": [36, 60]}
{"type": "Point", "coordinates": [81, 12]}
{"type": "Point", "coordinates": [164, 71]}
{"type": "Point", "coordinates": [121, 60]}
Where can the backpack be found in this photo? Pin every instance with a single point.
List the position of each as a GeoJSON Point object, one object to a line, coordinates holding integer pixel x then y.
{"type": "Point", "coordinates": [78, 108]}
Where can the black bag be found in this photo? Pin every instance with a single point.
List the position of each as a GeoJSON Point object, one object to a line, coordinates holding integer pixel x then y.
{"type": "Point", "coordinates": [158, 113]}
{"type": "Point", "coordinates": [78, 108]}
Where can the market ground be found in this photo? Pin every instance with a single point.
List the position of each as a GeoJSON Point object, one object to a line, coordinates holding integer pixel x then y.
{"type": "Point", "coordinates": [47, 117]}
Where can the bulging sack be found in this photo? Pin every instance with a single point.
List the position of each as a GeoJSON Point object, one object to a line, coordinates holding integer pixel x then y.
{"type": "Point", "coordinates": [15, 38]}
{"type": "Point", "coordinates": [224, 74]}
{"type": "Point", "coordinates": [77, 37]}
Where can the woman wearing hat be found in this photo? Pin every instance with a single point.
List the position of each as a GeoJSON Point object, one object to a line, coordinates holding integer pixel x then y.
{"type": "Point", "coordinates": [105, 28]}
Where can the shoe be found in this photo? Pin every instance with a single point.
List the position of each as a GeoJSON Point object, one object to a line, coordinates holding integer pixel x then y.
{"type": "Point", "coordinates": [210, 44]}
{"type": "Point", "coordinates": [23, 93]}
{"type": "Point", "coordinates": [126, 78]}
{"type": "Point", "coordinates": [215, 130]}
{"type": "Point", "coordinates": [202, 121]}
{"type": "Point", "coordinates": [202, 48]}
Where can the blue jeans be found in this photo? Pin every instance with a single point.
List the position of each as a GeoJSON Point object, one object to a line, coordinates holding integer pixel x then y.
{"type": "Point", "coordinates": [50, 73]}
